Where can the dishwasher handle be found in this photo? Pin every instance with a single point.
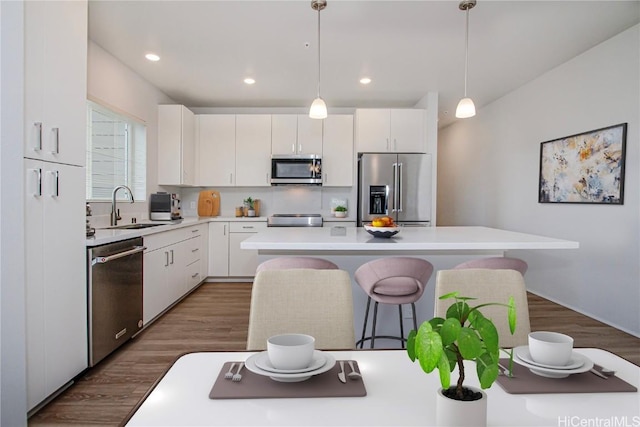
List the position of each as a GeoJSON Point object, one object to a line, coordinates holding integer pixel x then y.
{"type": "Point", "coordinates": [105, 259]}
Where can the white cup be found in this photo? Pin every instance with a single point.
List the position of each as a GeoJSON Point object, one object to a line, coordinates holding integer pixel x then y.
{"type": "Point", "coordinates": [291, 351]}
{"type": "Point", "coordinates": [550, 348]}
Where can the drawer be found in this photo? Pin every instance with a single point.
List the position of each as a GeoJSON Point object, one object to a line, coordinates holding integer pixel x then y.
{"type": "Point", "coordinates": [193, 276]}
{"type": "Point", "coordinates": [165, 238]}
{"type": "Point", "coordinates": [192, 249]}
{"type": "Point", "coordinates": [196, 230]}
{"type": "Point", "coordinates": [247, 227]}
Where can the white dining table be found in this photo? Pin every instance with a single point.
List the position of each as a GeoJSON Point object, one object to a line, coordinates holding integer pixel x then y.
{"type": "Point", "coordinates": [399, 393]}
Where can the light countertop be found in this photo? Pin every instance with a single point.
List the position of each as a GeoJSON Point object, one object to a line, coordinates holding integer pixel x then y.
{"type": "Point", "coordinates": [409, 239]}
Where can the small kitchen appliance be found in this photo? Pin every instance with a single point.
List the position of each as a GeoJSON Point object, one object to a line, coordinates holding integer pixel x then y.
{"type": "Point", "coordinates": [295, 169]}
{"type": "Point", "coordinates": [164, 207]}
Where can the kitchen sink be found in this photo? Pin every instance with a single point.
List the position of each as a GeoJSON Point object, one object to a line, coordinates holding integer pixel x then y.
{"type": "Point", "coordinates": [133, 226]}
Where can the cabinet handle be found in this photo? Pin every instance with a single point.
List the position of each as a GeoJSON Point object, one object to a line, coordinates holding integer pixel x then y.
{"type": "Point", "coordinates": [293, 148]}
{"type": "Point", "coordinates": [195, 250]}
{"type": "Point", "coordinates": [231, 178]}
{"type": "Point", "coordinates": [224, 230]}
{"type": "Point", "coordinates": [56, 141]}
{"type": "Point", "coordinates": [299, 148]}
{"type": "Point", "coordinates": [55, 189]}
{"type": "Point", "coordinates": [38, 183]}
{"type": "Point", "coordinates": [249, 227]}
{"type": "Point", "coordinates": [166, 254]}
{"type": "Point", "coordinates": [387, 144]}
{"type": "Point", "coordinates": [395, 145]}
{"type": "Point", "coordinates": [195, 231]}
{"type": "Point", "coordinates": [194, 275]}
{"type": "Point", "coordinates": [326, 178]}
{"type": "Point", "coordinates": [38, 130]}
{"type": "Point", "coordinates": [171, 256]}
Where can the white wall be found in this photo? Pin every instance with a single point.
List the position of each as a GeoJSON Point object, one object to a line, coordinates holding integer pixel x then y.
{"type": "Point", "coordinates": [13, 385]}
{"type": "Point", "coordinates": [488, 175]}
{"type": "Point", "coordinates": [115, 85]}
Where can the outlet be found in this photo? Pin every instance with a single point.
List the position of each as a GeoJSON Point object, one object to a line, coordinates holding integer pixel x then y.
{"type": "Point", "coordinates": [192, 205]}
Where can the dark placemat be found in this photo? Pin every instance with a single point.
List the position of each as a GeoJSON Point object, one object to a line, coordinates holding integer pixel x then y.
{"type": "Point", "coordinates": [526, 382]}
{"type": "Point", "coordinates": [254, 386]}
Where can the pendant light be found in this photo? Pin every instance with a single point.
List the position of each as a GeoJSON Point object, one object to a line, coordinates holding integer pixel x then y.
{"type": "Point", "coordinates": [466, 108]}
{"type": "Point", "coordinates": [318, 108]}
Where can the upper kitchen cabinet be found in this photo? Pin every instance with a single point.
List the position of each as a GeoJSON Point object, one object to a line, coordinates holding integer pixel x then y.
{"type": "Point", "coordinates": [295, 134]}
{"type": "Point", "coordinates": [390, 130]}
{"type": "Point", "coordinates": [217, 149]}
{"type": "Point", "coordinates": [253, 150]}
{"type": "Point", "coordinates": [56, 81]}
{"type": "Point", "coordinates": [337, 151]}
{"type": "Point", "coordinates": [176, 146]}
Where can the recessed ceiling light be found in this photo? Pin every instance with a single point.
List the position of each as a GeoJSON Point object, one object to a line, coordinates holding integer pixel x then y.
{"type": "Point", "coordinates": [365, 80]}
{"type": "Point", "coordinates": [249, 81]}
{"type": "Point", "coordinates": [152, 57]}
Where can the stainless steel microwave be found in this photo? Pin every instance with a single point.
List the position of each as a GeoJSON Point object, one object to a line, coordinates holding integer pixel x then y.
{"type": "Point", "coordinates": [303, 169]}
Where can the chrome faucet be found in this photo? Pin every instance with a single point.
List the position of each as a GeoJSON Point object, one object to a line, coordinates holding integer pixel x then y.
{"type": "Point", "coordinates": [115, 213]}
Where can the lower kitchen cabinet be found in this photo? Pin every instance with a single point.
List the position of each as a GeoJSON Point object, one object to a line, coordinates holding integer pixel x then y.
{"type": "Point", "coordinates": [243, 262]}
{"type": "Point", "coordinates": [218, 249]}
{"type": "Point", "coordinates": [56, 281]}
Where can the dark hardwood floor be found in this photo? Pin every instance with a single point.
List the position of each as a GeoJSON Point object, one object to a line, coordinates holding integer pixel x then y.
{"type": "Point", "coordinates": [215, 317]}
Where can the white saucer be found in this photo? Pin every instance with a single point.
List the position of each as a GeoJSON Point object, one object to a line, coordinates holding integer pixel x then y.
{"type": "Point", "coordinates": [250, 364]}
{"type": "Point", "coordinates": [555, 372]}
{"type": "Point", "coordinates": [263, 362]}
{"type": "Point", "coordinates": [523, 353]}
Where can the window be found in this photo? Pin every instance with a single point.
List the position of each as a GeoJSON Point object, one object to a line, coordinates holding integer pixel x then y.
{"type": "Point", "coordinates": [116, 154]}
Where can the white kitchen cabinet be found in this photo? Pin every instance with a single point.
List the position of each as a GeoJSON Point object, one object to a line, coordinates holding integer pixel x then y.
{"type": "Point", "coordinates": [176, 146]}
{"type": "Point", "coordinates": [390, 130]}
{"type": "Point", "coordinates": [243, 262]}
{"type": "Point", "coordinates": [295, 134]}
{"type": "Point", "coordinates": [337, 151]}
{"type": "Point", "coordinates": [218, 249]}
{"type": "Point", "coordinates": [216, 149]}
{"type": "Point", "coordinates": [56, 81]}
{"type": "Point", "coordinates": [253, 150]}
{"type": "Point", "coordinates": [56, 284]}
{"type": "Point", "coordinates": [156, 283]}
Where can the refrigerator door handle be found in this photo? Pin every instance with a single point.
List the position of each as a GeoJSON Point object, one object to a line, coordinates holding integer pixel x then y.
{"type": "Point", "coordinates": [395, 187]}
{"type": "Point", "coordinates": [399, 187]}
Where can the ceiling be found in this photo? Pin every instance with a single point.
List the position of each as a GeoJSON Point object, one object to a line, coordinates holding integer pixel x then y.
{"type": "Point", "coordinates": [408, 48]}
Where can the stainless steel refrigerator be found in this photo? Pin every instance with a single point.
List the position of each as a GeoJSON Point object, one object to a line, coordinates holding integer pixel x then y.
{"type": "Point", "coordinates": [397, 185]}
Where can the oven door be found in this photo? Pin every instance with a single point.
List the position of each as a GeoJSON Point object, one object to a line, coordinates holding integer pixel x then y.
{"type": "Point", "coordinates": [296, 170]}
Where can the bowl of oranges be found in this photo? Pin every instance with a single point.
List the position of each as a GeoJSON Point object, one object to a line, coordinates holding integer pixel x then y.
{"type": "Point", "coordinates": [382, 227]}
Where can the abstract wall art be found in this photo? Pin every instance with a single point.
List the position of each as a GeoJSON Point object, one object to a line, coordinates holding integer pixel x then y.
{"type": "Point", "coordinates": [584, 168]}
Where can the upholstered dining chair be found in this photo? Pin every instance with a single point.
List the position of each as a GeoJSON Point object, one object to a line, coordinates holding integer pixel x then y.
{"type": "Point", "coordinates": [281, 263]}
{"type": "Point", "coordinates": [488, 285]}
{"type": "Point", "coordinates": [496, 263]}
{"type": "Point", "coordinates": [302, 300]}
{"type": "Point", "coordinates": [392, 280]}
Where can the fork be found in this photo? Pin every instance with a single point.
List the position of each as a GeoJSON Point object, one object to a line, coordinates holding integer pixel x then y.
{"type": "Point", "coordinates": [354, 375]}
{"type": "Point", "coordinates": [237, 377]}
{"type": "Point", "coordinates": [229, 374]}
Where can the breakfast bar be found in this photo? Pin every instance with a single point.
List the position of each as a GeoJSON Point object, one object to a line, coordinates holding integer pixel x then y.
{"type": "Point", "coordinates": [350, 247]}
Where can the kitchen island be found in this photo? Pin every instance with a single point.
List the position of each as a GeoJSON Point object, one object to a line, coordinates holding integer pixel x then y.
{"type": "Point", "coordinates": [350, 247]}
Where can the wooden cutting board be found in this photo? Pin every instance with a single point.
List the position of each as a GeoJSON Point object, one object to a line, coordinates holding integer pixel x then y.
{"type": "Point", "coordinates": [209, 203]}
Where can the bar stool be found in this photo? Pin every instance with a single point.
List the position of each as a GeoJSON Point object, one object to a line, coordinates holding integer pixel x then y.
{"type": "Point", "coordinates": [283, 263]}
{"type": "Point", "coordinates": [496, 263]}
{"type": "Point", "coordinates": [393, 280]}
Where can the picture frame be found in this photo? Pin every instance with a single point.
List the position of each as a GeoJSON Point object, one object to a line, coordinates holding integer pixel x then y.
{"type": "Point", "coordinates": [585, 168]}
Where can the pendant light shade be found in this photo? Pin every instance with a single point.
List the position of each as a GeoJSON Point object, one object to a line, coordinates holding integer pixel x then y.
{"type": "Point", "coordinates": [466, 108]}
{"type": "Point", "coordinates": [318, 108]}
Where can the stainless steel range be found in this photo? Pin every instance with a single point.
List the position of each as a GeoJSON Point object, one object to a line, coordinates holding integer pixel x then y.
{"type": "Point", "coordinates": [295, 220]}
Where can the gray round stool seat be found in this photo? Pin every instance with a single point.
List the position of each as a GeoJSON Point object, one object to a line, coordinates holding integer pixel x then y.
{"type": "Point", "coordinates": [393, 280]}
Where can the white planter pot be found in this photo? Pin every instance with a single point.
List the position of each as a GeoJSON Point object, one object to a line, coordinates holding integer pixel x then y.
{"type": "Point", "coordinates": [340, 214]}
{"type": "Point", "coordinates": [451, 412]}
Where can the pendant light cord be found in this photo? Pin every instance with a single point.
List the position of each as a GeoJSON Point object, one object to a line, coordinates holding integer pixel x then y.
{"type": "Point", "coordinates": [319, 52]}
{"type": "Point", "coordinates": [466, 53]}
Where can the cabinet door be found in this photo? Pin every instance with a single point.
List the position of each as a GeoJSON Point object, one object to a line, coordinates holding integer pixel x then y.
{"type": "Point", "coordinates": [253, 150]}
{"type": "Point", "coordinates": [64, 259]}
{"type": "Point", "coordinates": [169, 144]}
{"type": "Point", "coordinates": [407, 131]}
{"type": "Point", "coordinates": [56, 81]}
{"type": "Point", "coordinates": [309, 135]}
{"type": "Point", "coordinates": [204, 251]}
{"type": "Point", "coordinates": [218, 249]}
{"type": "Point", "coordinates": [242, 262]}
{"type": "Point", "coordinates": [188, 166]}
{"type": "Point", "coordinates": [156, 290]}
{"type": "Point", "coordinates": [337, 151]}
{"type": "Point", "coordinates": [217, 149]}
{"type": "Point", "coordinates": [372, 130]}
{"type": "Point", "coordinates": [284, 133]}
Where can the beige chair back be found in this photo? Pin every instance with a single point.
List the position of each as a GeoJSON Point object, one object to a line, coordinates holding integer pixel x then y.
{"type": "Point", "coordinates": [488, 286]}
{"type": "Point", "coordinates": [308, 301]}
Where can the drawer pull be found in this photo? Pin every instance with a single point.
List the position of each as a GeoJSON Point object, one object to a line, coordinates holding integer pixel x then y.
{"type": "Point", "coordinates": [195, 231]}
{"type": "Point", "coordinates": [194, 275]}
{"type": "Point", "coordinates": [249, 227]}
{"type": "Point", "coordinates": [121, 333]}
{"type": "Point", "coordinates": [195, 250]}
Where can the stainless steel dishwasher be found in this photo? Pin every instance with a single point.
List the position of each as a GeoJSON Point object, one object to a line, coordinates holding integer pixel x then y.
{"type": "Point", "coordinates": [114, 295]}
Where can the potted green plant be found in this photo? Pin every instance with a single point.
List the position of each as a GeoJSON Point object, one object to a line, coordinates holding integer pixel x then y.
{"type": "Point", "coordinates": [248, 203]}
{"type": "Point", "coordinates": [465, 334]}
{"type": "Point", "coordinates": [340, 211]}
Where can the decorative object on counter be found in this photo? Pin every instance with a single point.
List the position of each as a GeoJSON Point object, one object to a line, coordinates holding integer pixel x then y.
{"type": "Point", "coordinates": [239, 211]}
{"type": "Point", "coordinates": [383, 226]}
{"type": "Point", "coordinates": [340, 212]}
{"type": "Point", "coordinates": [465, 334]}
{"type": "Point", "coordinates": [209, 203]}
{"type": "Point", "coordinates": [584, 168]}
{"type": "Point", "coordinates": [466, 108]}
{"type": "Point", "coordinates": [250, 207]}
{"type": "Point", "coordinates": [338, 202]}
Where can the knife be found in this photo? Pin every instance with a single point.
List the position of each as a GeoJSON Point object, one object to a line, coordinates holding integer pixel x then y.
{"type": "Point", "coordinates": [341, 376]}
